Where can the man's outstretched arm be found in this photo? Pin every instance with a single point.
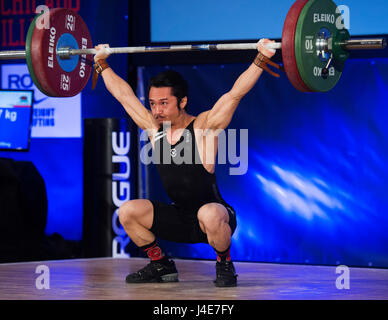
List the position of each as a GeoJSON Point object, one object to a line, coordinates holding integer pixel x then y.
{"type": "Point", "coordinates": [123, 92]}
{"type": "Point", "coordinates": [222, 112]}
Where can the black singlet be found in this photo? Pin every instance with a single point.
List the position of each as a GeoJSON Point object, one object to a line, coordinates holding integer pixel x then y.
{"type": "Point", "coordinates": [185, 179]}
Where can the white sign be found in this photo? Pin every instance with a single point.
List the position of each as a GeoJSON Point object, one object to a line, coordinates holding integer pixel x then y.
{"type": "Point", "coordinates": [52, 117]}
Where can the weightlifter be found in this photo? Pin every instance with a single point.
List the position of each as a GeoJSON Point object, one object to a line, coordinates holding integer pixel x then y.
{"type": "Point", "coordinates": [198, 213]}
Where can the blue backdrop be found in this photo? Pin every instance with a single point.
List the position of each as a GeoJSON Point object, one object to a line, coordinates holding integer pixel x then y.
{"type": "Point", "coordinates": [316, 182]}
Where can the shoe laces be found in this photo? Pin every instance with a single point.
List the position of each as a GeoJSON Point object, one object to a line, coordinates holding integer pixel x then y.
{"type": "Point", "coordinates": [225, 266]}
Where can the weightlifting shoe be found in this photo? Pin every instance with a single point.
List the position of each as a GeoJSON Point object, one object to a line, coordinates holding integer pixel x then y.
{"type": "Point", "coordinates": [226, 274]}
{"type": "Point", "coordinates": [155, 272]}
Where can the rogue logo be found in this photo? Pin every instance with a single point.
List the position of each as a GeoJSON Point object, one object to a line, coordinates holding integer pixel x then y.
{"type": "Point", "coordinates": [121, 189]}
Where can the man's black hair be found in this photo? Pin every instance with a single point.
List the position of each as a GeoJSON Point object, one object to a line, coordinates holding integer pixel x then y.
{"type": "Point", "coordinates": [173, 79]}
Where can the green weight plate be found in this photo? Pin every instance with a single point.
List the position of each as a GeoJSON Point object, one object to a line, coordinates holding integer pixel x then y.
{"type": "Point", "coordinates": [28, 56]}
{"type": "Point", "coordinates": [317, 20]}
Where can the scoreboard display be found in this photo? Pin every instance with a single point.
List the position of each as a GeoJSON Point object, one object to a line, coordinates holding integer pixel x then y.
{"type": "Point", "coordinates": [15, 119]}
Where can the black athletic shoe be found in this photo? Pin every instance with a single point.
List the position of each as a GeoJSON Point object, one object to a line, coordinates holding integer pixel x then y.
{"type": "Point", "coordinates": [226, 274]}
{"type": "Point", "coordinates": [155, 272]}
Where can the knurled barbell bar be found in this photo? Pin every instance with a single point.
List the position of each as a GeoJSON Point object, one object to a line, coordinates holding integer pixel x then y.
{"type": "Point", "coordinates": [314, 49]}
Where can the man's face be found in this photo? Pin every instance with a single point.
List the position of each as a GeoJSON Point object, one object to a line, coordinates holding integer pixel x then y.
{"type": "Point", "coordinates": [164, 106]}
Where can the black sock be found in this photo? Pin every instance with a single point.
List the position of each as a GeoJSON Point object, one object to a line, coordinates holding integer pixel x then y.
{"type": "Point", "coordinates": [154, 252]}
{"type": "Point", "coordinates": [224, 255]}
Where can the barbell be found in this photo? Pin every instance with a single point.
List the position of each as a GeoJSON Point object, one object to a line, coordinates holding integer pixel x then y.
{"type": "Point", "coordinates": [315, 45]}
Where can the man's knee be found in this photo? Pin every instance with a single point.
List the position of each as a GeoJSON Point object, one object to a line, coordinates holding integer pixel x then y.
{"type": "Point", "coordinates": [133, 211]}
{"type": "Point", "coordinates": [213, 216]}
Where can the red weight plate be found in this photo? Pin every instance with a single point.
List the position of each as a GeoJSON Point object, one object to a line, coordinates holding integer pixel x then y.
{"type": "Point", "coordinates": [54, 80]}
{"type": "Point", "coordinates": [288, 46]}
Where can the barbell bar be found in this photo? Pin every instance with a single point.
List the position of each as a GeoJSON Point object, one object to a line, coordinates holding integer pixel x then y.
{"type": "Point", "coordinates": [313, 53]}
{"type": "Point", "coordinates": [12, 55]}
{"type": "Point", "coordinates": [352, 44]}
{"type": "Point", "coordinates": [361, 44]}
{"type": "Point", "coordinates": [66, 52]}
